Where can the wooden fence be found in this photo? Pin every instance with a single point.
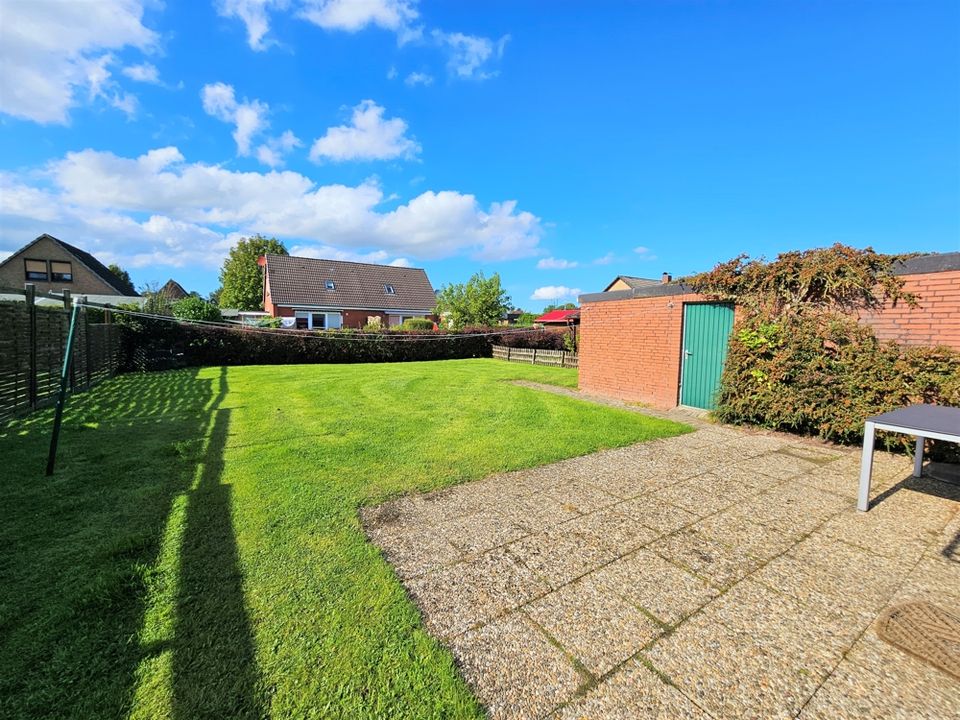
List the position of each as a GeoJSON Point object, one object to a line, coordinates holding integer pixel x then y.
{"type": "Point", "coordinates": [32, 343]}
{"type": "Point", "coordinates": [557, 358]}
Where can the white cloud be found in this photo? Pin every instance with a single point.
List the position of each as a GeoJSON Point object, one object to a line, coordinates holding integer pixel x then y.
{"type": "Point", "coordinates": [468, 54]}
{"type": "Point", "coordinates": [144, 72]}
{"type": "Point", "coordinates": [418, 78]}
{"type": "Point", "coordinates": [272, 152]}
{"type": "Point", "coordinates": [400, 262]}
{"type": "Point", "coordinates": [193, 210]}
{"type": "Point", "coordinates": [368, 137]}
{"type": "Point", "coordinates": [255, 14]}
{"type": "Point", "coordinates": [644, 253]}
{"type": "Point", "coordinates": [552, 263]}
{"type": "Point", "coordinates": [249, 119]}
{"type": "Point", "coordinates": [355, 15]}
{"type": "Point", "coordinates": [554, 292]}
{"type": "Point", "coordinates": [392, 73]}
{"type": "Point", "coordinates": [51, 50]}
{"type": "Point", "coordinates": [607, 259]}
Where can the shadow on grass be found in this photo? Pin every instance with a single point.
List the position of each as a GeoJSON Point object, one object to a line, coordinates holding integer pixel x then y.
{"type": "Point", "coordinates": [78, 553]}
{"type": "Point", "coordinates": [214, 663]}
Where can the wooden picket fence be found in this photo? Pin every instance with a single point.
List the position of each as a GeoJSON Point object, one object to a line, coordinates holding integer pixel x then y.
{"type": "Point", "coordinates": [556, 358]}
{"type": "Point", "coordinates": [32, 343]}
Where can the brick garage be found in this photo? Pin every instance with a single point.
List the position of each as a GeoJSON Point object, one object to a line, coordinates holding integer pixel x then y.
{"type": "Point", "coordinates": [630, 340]}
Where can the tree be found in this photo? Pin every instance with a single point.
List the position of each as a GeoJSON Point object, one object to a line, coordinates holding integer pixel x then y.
{"type": "Point", "coordinates": [526, 319]}
{"type": "Point", "coordinates": [241, 276]}
{"type": "Point", "coordinates": [481, 301]}
{"type": "Point", "coordinates": [195, 307]}
{"type": "Point", "coordinates": [565, 306]}
{"type": "Point", "coordinates": [123, 276]}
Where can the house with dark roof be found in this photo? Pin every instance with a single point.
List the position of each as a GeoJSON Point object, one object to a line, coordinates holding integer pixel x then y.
{"type": "Point", "coordinates": [54, 266]}
{"type": "Point", "coordinates": [328, 294]}
{"type": "Point", "coordinates": [173, 291]}
{"type": "Point", "coordinates": [629, 282]}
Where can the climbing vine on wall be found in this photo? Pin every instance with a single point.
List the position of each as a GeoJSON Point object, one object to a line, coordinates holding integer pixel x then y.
{"type": "Point", "coordinates": [799, 361]}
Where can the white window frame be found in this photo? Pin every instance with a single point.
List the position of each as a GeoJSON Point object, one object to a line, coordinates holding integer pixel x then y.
{"type": "Point", "coordinates": [332, 320]}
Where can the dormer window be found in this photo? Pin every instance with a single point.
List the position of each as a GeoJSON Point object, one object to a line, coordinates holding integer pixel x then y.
{"type": "Point", "coordinates": [330, 285]}
{"type": "Point", "coordinates": [389, 290]}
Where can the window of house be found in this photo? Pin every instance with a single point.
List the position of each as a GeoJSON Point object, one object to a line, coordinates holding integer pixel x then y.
{"type": "Point", "coordinates": [318, 321]}
{"type": "Point", "coordinates": [330, 285]}
{"type": "Point", "coordinates": [302, 323]}
{"type": "Point", "coordinates": [36, 270]}
{"type": "Point", "coordinates": [389, 290]}
{"type": "Point", "coordinates": [61, 271]}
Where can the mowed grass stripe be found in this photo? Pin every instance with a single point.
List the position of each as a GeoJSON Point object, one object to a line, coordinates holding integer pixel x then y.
{"type": "Point", "coordinates": [211, 563]}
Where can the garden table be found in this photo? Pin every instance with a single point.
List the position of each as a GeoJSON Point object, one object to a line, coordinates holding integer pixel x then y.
{"type": "Point", "coordinates": [922, 421]}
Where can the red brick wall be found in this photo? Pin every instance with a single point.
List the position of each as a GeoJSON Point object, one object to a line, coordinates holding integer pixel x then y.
{"type": "Point", "coordinates": [630, 349]}
{"type": "Point", "coordinates": [936, 321]}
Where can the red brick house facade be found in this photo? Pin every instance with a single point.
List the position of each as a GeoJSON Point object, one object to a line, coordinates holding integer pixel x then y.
{"type": "Point", "coordinates": [631, 341]}
{"type": "Point", "coordinates": [330, 294]}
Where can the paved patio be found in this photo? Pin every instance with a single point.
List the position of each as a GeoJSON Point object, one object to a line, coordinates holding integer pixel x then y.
{"type": "Point", "coordinates": [721, 574]}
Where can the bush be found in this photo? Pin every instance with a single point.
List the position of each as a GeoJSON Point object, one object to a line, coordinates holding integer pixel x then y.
{"type": "Point", "coordinates": [533, 339]}
{"type": "Point", "coordinates": [195, 308]}
{"type": "Point", "coordinates": [798, 360]}
{"type": "Point", "coordinates": [417, 324]}
{"type": "Point", "coordinates": [270, 322]}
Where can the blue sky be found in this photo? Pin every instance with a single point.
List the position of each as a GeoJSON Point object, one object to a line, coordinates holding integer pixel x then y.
{"type": "Point", "coordinates": [559, 144]}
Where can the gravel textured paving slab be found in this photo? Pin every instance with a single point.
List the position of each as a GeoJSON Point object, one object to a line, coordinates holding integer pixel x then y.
{"type": "Point", "coordinates": [721, 574]}
{"type": "Point", "coordinates": [630, 693]}
{"type": "Point", "coordinates": [643, 577]}
{"type": "Point", "coordinates": [595, 625]}
{"type": "Point", "coordinates": [514, 669]}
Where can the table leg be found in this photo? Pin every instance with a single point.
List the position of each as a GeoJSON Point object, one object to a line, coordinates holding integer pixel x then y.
{"type": "Point", "coordinates": [866, 468]}
{"type": "Point", "coordinates": [918, 458]}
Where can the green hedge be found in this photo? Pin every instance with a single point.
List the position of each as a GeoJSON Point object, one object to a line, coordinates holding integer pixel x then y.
{"type": "Point", "coordinates": [149, 344]}
{"type": "Point", "coordinates": [824, 374]}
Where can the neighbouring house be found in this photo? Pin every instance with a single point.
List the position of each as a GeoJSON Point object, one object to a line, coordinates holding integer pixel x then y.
{"type": "Point", "coordinates": [664, 345]}
{"type": "Point", "coordinates": [173, 291]}
{"type": "Point", "coordinates": [628, 282]}
{"type": "Point", "coordinates": [510, 317]}
{"type": "Point", "coordinates": [559, 319]}
{"type": "Point", "coordinates": [327, 294]}
{"type": "Point", "coordinates": [52, 265]}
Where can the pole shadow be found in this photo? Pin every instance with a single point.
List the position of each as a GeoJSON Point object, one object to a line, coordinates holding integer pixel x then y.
{"type": "Point", "coordinates": [215, 673]}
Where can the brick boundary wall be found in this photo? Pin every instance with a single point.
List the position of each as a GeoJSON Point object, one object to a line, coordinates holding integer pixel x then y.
{"type": "Point", "coordinates": [936, 320]}
{"type": "Point", "coordinates": [630, 339]}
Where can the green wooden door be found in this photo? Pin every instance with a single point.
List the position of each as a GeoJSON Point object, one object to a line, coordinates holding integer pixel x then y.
{"type": "Point", "coordinates": [706, 329]}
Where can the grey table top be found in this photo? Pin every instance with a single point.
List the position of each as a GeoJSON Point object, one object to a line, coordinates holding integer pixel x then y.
{"type": "Point", "coordinates": [931, 418]}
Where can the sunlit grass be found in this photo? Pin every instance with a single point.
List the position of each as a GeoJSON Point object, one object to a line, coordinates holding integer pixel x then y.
{"type": "Point", "coordinates": [198, 553]}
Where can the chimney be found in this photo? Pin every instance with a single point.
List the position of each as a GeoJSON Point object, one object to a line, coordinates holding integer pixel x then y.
{"type": "Point", "coordinates": [262, 261]}
{"type": "Point", "coordinates": [665, 278]}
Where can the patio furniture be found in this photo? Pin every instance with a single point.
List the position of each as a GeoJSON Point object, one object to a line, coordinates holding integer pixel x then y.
{"type": "Point", "coordinates": [922, 421]}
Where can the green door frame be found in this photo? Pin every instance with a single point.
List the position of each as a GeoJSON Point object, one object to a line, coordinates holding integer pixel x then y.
{"type": "Point", "coordinates": [710, 346]}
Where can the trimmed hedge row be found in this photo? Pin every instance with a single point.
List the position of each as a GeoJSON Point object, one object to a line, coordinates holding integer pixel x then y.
{"type": "Point", "coordinates": [149, 344]}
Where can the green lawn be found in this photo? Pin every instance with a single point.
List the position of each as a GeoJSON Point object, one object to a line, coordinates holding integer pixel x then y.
{"type": "Point", "coordinates": [198, 552]}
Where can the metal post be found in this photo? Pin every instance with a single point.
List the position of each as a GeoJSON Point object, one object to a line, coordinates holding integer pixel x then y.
{"type": "Point", "coordinates": [30, 296]}
{"type": "Point", "coordinates": [62, 395]}
{"type": "Point", "coordinates": [918, 458]}
{"type": "Point", "coordinates": [866, 467]}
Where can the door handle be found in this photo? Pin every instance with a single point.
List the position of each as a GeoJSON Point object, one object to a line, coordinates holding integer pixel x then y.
{"type": "Point", "coordinates": [687, 353]}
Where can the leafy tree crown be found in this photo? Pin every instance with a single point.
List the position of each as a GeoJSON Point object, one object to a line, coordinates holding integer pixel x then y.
{"type": "Point", "coordinates": [241, 277]}
{"type": "Point", "coordinates": [481, 301]}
